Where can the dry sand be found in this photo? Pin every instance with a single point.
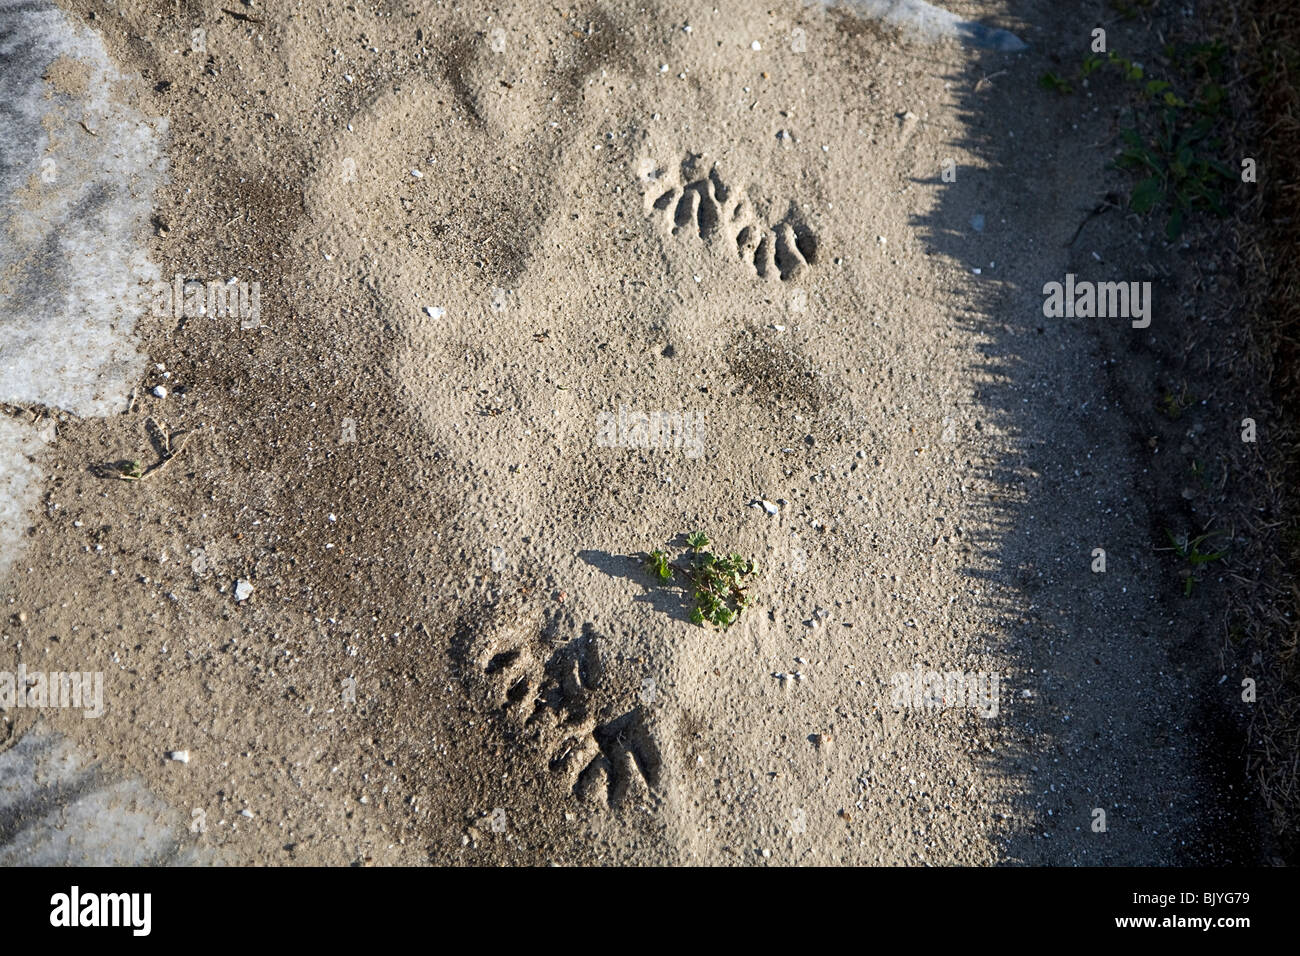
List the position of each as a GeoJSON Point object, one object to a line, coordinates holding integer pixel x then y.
{"type": "Point", "coordinates": [478, 229]}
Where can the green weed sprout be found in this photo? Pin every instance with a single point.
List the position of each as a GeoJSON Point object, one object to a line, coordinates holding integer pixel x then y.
{"type": "Point", "coordinates": [1190, 551]}
{"type": "Point", "coordinates": [718, 581]}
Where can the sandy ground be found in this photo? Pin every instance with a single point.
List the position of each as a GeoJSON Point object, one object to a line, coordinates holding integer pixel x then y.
{"type": "Point", "coordinates": [477, 230]}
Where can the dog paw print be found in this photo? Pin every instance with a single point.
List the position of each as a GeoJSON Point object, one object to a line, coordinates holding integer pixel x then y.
{"type": "Point", "coordinates": [543, 679]}
{"type": "Point", "coordinates": [691, 201]}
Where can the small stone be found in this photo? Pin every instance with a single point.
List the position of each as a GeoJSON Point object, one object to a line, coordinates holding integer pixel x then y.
{"type": "Point", "coordinates": [159, 391]}
{"type": "Point", "coordinates": [417, 174]}
{"type": "Point", "coordinates": [246, 813]}
{"type": "Point", "coordinates": [756, 46]}
{"type": "Point", "coordinates": [434, 312]}
{"type": "Point", "coordinates": [243, 590]}
{"type": "Point", "coordinates": [180, 756]}
{"type": "Point", "coordinates": [769, 507]}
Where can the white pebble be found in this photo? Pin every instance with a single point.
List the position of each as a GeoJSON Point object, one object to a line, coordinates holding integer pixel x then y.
{"type": "Point", "coordinates": [159, 391]}
{"type": "Point", "coordinates": [243, 590]}
{"type": "Point", "coordinates": [180, 756]}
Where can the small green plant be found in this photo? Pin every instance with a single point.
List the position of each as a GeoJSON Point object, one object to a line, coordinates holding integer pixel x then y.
{"type": "Point", "coordinates": [1177, 173]}
{"type": "Point", "coordinates": [1189, 549]}
{"type": "Point", "coordinates": [697, 540]}
{"type": "Point", "coordinates": [1169, 144]}
{"type": "Point", "coordinates": [718, 581]}
{"type": "Point", "coordinates": [1053, 83]}
{"type": "Point", "coordinates": [659, 565]}
{"type": "Point", "coordinates": [1173, 405]}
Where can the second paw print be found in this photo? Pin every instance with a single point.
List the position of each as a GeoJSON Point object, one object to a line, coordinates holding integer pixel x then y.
{"type": "Point", "coordinates": [693, 200]}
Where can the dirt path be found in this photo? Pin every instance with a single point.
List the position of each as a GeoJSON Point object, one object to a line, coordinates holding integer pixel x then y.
{"type": "Point", "coordinates": [486, 246]}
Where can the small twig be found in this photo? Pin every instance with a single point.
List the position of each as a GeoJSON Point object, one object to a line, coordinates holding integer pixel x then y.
{"type": "Point", "coordinates": [154, 469]}
{"type": "Point", "coordinates": [240, 16]}
{"type": "Point", "coordinates": [130, 470]}
{"type": "Point", "coordinates": [1096, 211]}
